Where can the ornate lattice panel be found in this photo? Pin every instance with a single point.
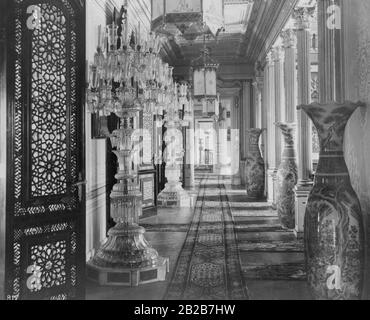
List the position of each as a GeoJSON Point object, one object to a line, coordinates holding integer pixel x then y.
{"type": "Point", "coordinates": [45, 207]}
{"type": "Point", "coordinates": [49, 104]}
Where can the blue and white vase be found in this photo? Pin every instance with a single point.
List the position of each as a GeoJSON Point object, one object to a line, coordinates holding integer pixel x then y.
{"type": "Point", "coordinates": [287, 178]}
{"type": "Point", "coordinates": [254, 167]}
{"type": "Point", "coordinates": [334, 231]}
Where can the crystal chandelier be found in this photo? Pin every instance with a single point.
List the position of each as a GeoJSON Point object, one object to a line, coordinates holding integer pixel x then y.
{"type": "Point", "coordinates": [126, 77]}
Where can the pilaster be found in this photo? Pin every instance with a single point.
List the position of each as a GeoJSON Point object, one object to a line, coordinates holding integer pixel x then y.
{"type": "Point", "coordinates": [290, 74]}
{"type": "Point", "coordinates": [271, 143]}
{"type": "Point", "coordinates": [331, 56]}
{"type": "Point", "coordinates": [304, 185]}
{"type": "Point", "coordinates": [235, 137]}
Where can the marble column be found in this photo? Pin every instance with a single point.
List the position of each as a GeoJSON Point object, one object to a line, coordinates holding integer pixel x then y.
{"type": "Point", "coordinates": [245, 124]}
{"type": "Point", "coordinates": [271, 146]}
{"type": "Point", "coordinates": [264, 113]}
{"type": "Point", "coordinates": [241, 140]}
{"type": "Point", "coordinates": [290, 74]}
{"type": "Point", "coordinates": [190, 154]}
{"type": "Point", "coordinates": [304, 185]}
{"type": "Point", "coordinates": [331, 59]}
{"type": "Point", "coordinates": [258, 94]}
{"type": "Point", "coordinates": [215, 146]}
{"type": "Point", "coordinates": [223, 165]}
{"type": "Point", "coordinates": [278, 56]}
{"type": "Point", "coordinates": [235, 137]}
{"type": "Point", "coordinates": [247, 98]}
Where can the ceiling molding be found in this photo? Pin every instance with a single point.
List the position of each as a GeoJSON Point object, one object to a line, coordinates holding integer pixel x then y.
{"type": "Point", "coordinates": [238, 1]}
{"type": "Point", "coordinates": [228, 92]}
{"type": "Point", "coordinates": [279, 14]}
{"type": "Point", "coordinates": [267, 18]}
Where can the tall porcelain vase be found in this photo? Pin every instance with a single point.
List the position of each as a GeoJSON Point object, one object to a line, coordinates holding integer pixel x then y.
{"type": "Point", "coordinates": [254, 167]}
{"type": "Point", "coordinates": [287, 177]}
{"type": "Point", "coordinates": [334, 233]}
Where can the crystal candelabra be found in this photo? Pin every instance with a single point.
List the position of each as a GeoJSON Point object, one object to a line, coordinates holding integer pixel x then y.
{"type": "Point", "coordinates": [126, 258]}
{"type": "Point", "coordinates": [123, 79]}
{"type": "Point", "coordinates": [174, 195]}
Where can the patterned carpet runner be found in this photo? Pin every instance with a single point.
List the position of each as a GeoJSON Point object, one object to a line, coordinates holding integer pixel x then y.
{"type": "Point", "coordinates": [208, 267]}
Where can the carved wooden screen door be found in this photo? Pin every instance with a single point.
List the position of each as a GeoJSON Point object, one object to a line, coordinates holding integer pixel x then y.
{"type": "Point", "coordinates": [45, 219]}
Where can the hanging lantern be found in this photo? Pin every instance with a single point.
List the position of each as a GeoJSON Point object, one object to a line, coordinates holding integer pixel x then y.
{"type": "Point", "coordinates": [188, 18]}
{"type": "Point", "coordinates": [204, 72]}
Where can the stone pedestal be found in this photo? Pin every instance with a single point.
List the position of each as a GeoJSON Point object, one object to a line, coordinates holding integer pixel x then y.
{"type": "Point", "coordinates": [173, 194]}
{"type": "Point", "coordinates": [275, 189]}
{"type": "Point", "coordinates": [271, 177]}
{"type": "Point", "coordinates": [242, 172]}
{"type": "Point", "coordinates": [301, 197]}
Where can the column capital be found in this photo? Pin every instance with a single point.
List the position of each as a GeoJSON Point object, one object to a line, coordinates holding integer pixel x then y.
{"type": "Point", "coordinates": [301, 16]}
{"type": "Point", "coordinates": [258, 83]}
{"type": "Point", "coordinates": [278, 53]}
{"type": "Point", "coordinates": [258, 69]}
{"type": "Point", "coordinates": [270, 58]}
{"type": "Point", "coordinates": [289, 38]}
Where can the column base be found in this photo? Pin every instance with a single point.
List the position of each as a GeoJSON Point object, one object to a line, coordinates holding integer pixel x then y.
{"type": "Point", "coordinates": [271, 179]}
{"type": "Point", "coordinates": [173, 196]}
{"type": "Point", "coordinates": [242, 172]}
{"type": "Point", "coordinates": [235, 180]}
{"type": "Point", "coordinates": [127, 259]}
{"type": "Point", "coordinates": [189, 176]}
{"type": "Point", "coordinates": [302, 192]}
{"type": "Point", "coordinates": [128, 277]}
{"type": "Point", "coordinates": [222, 169]}
{"type": "Point", "coordinates": [299, 235]}
{"type": "Point", "coordinates": [274, 180]}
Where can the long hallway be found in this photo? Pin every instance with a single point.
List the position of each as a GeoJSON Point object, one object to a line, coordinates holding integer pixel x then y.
{"type": "Point", "coordinates": [223, 248]}
{"type": "Point", "coordinates": [184, 150]}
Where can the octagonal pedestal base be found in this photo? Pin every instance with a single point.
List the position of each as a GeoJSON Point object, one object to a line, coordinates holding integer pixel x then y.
{"type": "Point", "coordinates": [174, 197]}
{"type": "Point", "coordinates": [128, 277]}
